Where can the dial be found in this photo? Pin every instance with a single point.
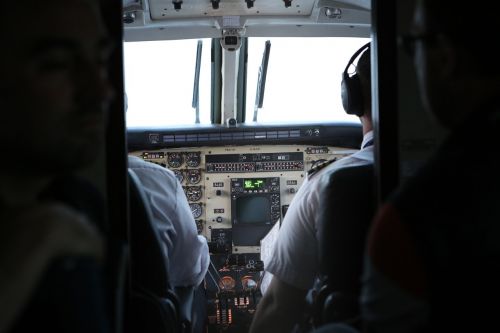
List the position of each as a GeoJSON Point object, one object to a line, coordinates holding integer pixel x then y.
{"type": "Point", "coordinates": [196, 209]}
{"type": "Point", "coordinates": [194, 176]}
{"type": "Point", "coordinates": [248, 283]}
{"type": "Point", "coordinates": [193, 159]}
{"type": "Point", "coordinates": [179, 175]}
{"type": "Point", "coordinates": [227, 283]}
{"type": "Point", "coordinates": [174, 160]}
{"type": "Point", "coordinates": [193, 193]}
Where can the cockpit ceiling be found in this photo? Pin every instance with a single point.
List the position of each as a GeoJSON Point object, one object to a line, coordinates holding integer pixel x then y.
{"type": "Point", "coordinates": [159, 20]}
{"type": "Point", "coordinates": [164, 9]}
{"type": "Point", "coordinates": [176, 9]}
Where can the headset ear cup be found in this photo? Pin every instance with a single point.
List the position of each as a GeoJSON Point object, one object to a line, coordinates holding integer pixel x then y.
{"type": "Point", "coordinates": [352, 97]}
{"type": "Point", "coordinates": [344, 92]}
{"type": "Point", "coordinates": [350, 87]}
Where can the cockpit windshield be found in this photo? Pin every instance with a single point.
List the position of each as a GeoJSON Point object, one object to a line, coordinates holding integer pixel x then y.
{"type": "Point", "coordinates": [302, 83]}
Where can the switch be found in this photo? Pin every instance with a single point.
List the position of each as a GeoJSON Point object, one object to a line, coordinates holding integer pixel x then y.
{"type": "Point", "coordinates": [218, 192]}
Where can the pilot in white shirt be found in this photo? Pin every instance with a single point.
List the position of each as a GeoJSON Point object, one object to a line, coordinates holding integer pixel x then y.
{"type": "Point", "coordinates": [186, 250]}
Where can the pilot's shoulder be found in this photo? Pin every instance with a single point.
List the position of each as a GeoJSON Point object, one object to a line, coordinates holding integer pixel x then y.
{"type": "Point", "coordinates": [319, 165]}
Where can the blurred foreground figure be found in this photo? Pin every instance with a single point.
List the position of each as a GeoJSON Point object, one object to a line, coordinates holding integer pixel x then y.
{"type": "Point", "coordinates": [55, 92]}
{"type": "Point", "coordinates": [433, 253]}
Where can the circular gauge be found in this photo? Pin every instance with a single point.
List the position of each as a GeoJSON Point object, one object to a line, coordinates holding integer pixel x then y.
{"type": "Point", "coordinates": [227, 283]}
{"type": "Point", "coordinates": [179, 175]}
{"type": "Point", "coordinates": [174, 160]}
{"type": "Point", "coordinates": [194, 176]}
{"type": "Point", "coordinates": [248, 283]}
{"type": "Point", "coordinates": [196, 209]}
{"type": "Point", "coordinates": [193, 159]}
{"type": "Point", "coordinates": [193, 193]}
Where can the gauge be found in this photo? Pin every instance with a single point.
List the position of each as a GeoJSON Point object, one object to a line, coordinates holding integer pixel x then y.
{"type": "Point", "coordinates": [179, 175]}
{"type": "Point", "coordinates": [174, 160]}
{"type": "Point", "coordinates": [194, 176]}
{"type": "Point", "coordinates": [199, 226]}
{"type": "Point", "coordinates": [193, 193]}
{"type": "Point", "coordinates": [248, 283]}
{"type": "Point", "coordinates": [196, 209]}
{"type": "Point", "coordinates": [193, 159]}
{"type": "Point", "coordinates": [227, 283]}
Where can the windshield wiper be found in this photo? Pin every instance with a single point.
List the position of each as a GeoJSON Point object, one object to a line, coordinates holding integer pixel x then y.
{"type": "Point", "coordinates": [196, 88]}
{"type": "Point", "coordinates": [261, 80]}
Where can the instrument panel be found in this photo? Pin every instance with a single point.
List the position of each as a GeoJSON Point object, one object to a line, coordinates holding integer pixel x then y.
{"type": "Point", "coordinates": [223, 183]}
{"type": "Point", "coordinates": [237, 194]}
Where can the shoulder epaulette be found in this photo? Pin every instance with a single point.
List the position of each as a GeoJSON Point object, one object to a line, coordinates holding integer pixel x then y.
{"type": "Point", "coordinates": [318, 166]}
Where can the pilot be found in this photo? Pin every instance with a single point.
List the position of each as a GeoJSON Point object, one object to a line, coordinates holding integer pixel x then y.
{"type": "Point", "coordinates": [187, 252]}
{"type": "Point", "coordinates": [295, 262]}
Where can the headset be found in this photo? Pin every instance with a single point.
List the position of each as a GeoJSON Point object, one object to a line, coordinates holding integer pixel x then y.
{"type": "Point", "coordinates": [350, 88]}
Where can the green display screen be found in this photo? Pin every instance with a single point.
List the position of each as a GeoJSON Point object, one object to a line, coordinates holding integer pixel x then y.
{"type": "Point", "coordinates": [253, 184]}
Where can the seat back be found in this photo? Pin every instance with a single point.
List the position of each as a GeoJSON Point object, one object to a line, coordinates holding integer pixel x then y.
{"type": "Point", "coordinates": [152, 304]}
{"type": "Point", "coordinates": [346, 210]}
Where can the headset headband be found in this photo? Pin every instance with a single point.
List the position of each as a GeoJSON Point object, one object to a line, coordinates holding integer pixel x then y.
{"type": "Point", "coordinates": [355, 55]}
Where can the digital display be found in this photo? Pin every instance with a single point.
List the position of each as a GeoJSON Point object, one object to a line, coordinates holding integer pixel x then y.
{"type": "Point", "coordinates": [253, 209]}
{"type": "Point", "coordinates": [252, 184]}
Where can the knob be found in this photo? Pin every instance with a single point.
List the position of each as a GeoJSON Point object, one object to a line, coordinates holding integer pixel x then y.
{"type": "Point", "coordinates": [219, 219]}
{"type": "Point", "coordinates": [218, 192]}
{"type": "Point", "coordinates": [227, 283]}
{"type": "Point", "coordinates": [291, 190]}
{"type": "Point", "coordinates": [248, 283]}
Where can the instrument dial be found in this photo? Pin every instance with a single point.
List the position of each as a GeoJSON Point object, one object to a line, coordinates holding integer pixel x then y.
{"type": "Point", "coordinates": [196, 209]}
{"type": "Point", "coordinates": [193, 193]}
{"type": "Point", "coordinates": [227, 283]}
{"type": "Point", "coordinates": [174, 160]}
{"type": "Point", "coordinates": [179, 175]}
{"type": "Point", "coordinates": [193, 159]}
{"type": "Point", "coordinates": [194, 176]}
{"type": "Point", "coordinates": [248, 283]}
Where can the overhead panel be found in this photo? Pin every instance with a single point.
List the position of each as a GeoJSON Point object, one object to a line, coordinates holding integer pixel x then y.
{"type": "Point", "coordinates": [164, 9]}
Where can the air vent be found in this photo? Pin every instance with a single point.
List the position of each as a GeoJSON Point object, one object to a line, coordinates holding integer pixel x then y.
{"type": "Point", "coordinates": [232, 136]}
{"type": "Point", "coordinates": [342, 135]}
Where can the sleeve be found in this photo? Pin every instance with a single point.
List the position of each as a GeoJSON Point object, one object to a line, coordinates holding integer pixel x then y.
{"type": "Point", "coordinates": [394, 283]}
{"type": "Point", "coordinates": [186, 250]}
{"type": "Point", "coordinates": [295, 257]}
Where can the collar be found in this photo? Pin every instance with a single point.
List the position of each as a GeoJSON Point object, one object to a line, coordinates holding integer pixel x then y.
{"type": "Point", "coordinates": [367, 140]}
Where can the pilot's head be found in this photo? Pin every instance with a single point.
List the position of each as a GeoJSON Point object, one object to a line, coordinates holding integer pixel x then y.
{"type": "Point", "coordinates": [356, 88]}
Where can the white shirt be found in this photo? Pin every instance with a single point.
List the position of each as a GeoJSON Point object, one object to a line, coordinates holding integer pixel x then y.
{"type": "Point", "coordinates": [187, 252]}
{"type": "Point", "coordinates": [296, 259]}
